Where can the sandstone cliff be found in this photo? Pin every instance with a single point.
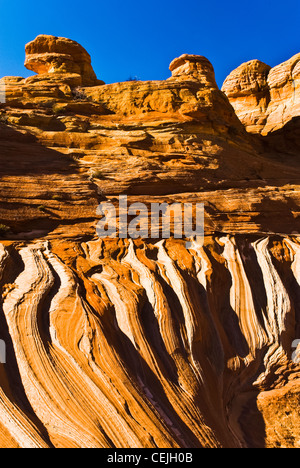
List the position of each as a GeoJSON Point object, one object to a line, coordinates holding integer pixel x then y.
{"type": "Point", "coordinates": [148, 343]}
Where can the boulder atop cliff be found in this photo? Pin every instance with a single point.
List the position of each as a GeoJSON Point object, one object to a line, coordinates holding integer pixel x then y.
{"type": "Point", "coordinates": [193, 66]}
{"type": "Point", "coordinates": [248, 78]}
{"type": "Point", "coordinates": [51, 54]}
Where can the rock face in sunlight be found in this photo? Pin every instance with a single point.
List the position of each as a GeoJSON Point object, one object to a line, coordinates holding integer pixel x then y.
{"type": "Point", "coordinates": [265, 98]}
{"type": "Point", "coordinates": [194, 67]}
{"type": "Point", "coordinates": [50, 54]}
{"type": "Point", "coordinates": [149, 343]}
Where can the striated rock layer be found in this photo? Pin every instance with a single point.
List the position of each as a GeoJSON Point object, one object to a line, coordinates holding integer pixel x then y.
{"type": "Point", "coordinates": [149, 343]}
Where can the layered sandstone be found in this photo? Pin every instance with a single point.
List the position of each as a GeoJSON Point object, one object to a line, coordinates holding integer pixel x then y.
{"type": "Point", "coordinates": [265, 98]}
{"type": "Point", "coordinates": [148, 343]}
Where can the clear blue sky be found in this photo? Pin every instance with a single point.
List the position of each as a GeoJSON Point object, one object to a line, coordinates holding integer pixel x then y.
{"type": "Point", "coordinates": [140, 38]}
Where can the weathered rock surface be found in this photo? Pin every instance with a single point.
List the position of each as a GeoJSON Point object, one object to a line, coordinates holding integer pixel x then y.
{"type": "Point", "coordinates": [145, 343]}
{"type": "Point", "coordinates": [50, 54]}
{"type": "Point", "coordinates": [265, 98]}
{"type": "Point", "coordinates": [194, 67]}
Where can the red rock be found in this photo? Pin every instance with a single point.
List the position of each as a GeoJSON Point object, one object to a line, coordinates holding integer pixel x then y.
{"type": "Point", "coordinates": [265, 99]}
{"type": "Point", "coordinates": [149, 343]}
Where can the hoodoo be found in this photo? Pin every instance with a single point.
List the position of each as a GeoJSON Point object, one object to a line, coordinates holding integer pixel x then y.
{"type": "Point", "coordinates": [50, 54]}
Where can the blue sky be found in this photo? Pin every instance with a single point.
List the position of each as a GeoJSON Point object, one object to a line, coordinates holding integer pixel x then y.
{"type": "Point", "coordinates": [140, 38]}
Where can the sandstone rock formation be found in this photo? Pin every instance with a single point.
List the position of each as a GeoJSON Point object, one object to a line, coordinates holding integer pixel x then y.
{"type": "Point", "coordinates": [149, 342]}
{"type": "Point", "coordinates": [50, 54]}
{"type": "Point", "coordinates": [265, 98]}
{"type": "Point", "coordinates": [194, 66]}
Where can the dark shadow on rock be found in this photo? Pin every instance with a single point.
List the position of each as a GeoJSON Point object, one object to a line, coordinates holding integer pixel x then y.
{"type": "Point", "coordinates": [278, 216]}
{"type": "Point", "coordinates": [32, 175]}
{"type": "Point", "coordinates": [284, 144]}
{"type": "Point", "coordinates": [252, 422]}
{"type": "Point", "coordinates": [22, 154]}
{"type": "Point", "coordinates": [222, 312]}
